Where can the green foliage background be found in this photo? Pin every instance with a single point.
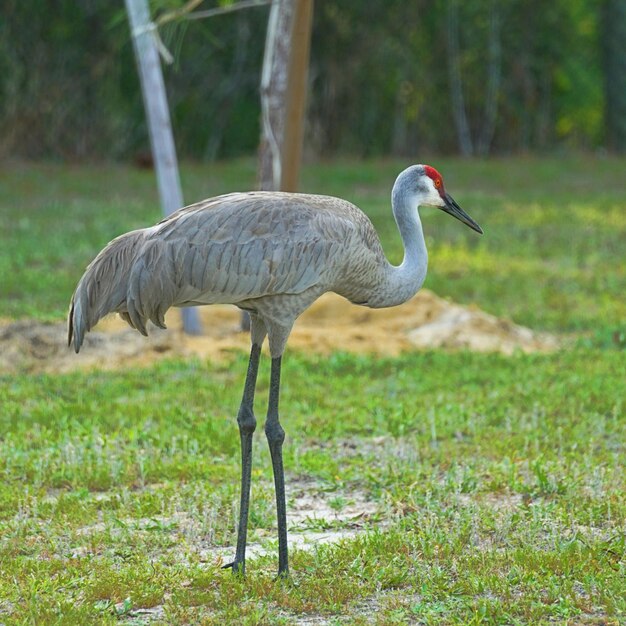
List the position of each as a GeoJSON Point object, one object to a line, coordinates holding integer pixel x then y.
{"type": "Point", "coordinates": [378, 82]}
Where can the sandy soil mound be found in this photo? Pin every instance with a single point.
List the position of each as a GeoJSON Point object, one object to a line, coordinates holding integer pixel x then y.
{"type": "Point", "coordinates": [332, 323]}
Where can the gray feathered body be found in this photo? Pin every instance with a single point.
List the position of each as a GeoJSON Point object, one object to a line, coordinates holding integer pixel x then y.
{"type": "Point", "coordinates": [271, 253]}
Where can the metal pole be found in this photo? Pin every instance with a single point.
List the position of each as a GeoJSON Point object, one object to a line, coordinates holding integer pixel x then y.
{"type": "Point", "coordinates": [144, 36]}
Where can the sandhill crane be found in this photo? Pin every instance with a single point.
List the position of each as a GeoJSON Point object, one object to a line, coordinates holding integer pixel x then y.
{"type": "Point", "coordinates": [271, 254]}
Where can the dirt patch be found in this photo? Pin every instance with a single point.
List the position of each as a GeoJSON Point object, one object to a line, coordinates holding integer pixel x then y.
{"type": "Point", "coordinates": [331, 324]}
{"type": "Point", "coordinates": [312, 521]}
{"type": "Point", "coordinates": [314, 517]}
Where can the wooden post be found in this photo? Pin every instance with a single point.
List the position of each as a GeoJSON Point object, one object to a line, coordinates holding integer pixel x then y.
{"type": "Point", "coordinates": [273, 90]}
{"type": "Point", "coordinates": [296, 94]}
{"type": "Point", "coordinates": [283, 93]}
{"type": "Point", "coordinates": [158, 117]}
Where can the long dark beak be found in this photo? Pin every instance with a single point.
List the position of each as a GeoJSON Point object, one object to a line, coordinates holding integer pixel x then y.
{"type": "Point", "coordinates": [452, 208]}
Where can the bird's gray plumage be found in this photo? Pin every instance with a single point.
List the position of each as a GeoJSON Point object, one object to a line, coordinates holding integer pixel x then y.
{"type": "Point", "coordinates": [240, 248]}
{"type": "Point", "coordinates": [272, 254]}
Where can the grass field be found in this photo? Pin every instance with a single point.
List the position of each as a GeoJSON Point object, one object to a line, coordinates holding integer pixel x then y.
{"type": "Point", "coordinates": [497, 483]}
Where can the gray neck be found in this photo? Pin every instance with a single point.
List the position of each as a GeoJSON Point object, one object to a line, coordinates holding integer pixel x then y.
{"type": "Point", "coordinates": [402, 282]}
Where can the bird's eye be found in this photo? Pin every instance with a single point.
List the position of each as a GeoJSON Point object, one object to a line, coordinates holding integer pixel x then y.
{"type": "Point", "coordinates": [438, 183]}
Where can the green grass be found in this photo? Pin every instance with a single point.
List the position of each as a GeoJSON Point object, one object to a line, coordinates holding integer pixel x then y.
{"type": "Point", "coordinates": [498, 482]}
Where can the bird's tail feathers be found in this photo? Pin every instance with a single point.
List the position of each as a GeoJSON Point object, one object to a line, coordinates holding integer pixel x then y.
{"type": "Point", "coordinates": [103, 288]}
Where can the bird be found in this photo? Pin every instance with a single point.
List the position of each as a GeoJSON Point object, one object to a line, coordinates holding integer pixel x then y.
{"type": "Point", "coordinates": [271, 254]}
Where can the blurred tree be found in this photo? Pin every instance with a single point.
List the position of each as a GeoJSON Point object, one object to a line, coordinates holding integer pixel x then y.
{"type": "Point", "coordinates": [466, 145]}
{"type": "Point", "coordinates": [63, 69]}
{"type": "Point", "coordinates": [614, 60]}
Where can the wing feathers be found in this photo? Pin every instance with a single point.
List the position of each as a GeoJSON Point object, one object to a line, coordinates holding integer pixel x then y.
{"type": "Point", "coordinates": [228, 249]}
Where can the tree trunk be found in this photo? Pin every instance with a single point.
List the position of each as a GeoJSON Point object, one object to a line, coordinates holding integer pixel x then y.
{"type": "Point", "coordinates": [274, 83]}
{"type": "Point", "coordinates": [494, 72]}
{"type": "Point", "coordinates": [160, 129]}
{"type": "Point", "coordinates": [283, 93]}
{"type": "Point", "coordinates": [456, 84]}
{"type": "Point", "coordinates": [613, 36]}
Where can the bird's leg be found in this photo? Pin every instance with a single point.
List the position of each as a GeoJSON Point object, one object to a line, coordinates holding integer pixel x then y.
{"type": "Point", "coordinates": [247, 426]}
{"type": "Point", "coordinates": [275, 437]}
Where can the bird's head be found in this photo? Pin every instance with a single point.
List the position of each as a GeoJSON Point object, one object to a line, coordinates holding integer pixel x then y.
{"type": "Point", "coordinates": [425, 184]}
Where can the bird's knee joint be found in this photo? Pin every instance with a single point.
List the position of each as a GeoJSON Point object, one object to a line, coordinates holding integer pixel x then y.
{"type": "Point", "coordinates": [246, 420]}
{"type": "Point", "coordinates": [274, 432]}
